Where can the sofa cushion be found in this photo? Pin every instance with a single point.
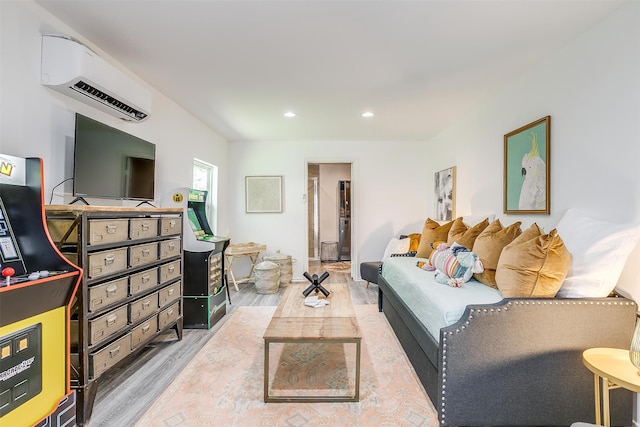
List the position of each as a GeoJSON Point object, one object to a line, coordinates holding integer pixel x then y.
{"type": "Point", "coordinates": [488, 246]}
{"type": "Point", "coordinates": [464, 235]}
{"type": "Point", "coordinates": [534, 265]}
{"type": "Point", "coordinates": [600, 250]}
{"type": "Point", "coordinates": [435, 305]}
{"type": "Point", "coordinates": [396, 246]}
{"type": "Point", "coordinates": [432, 232]}
{"type": "Point", "coordinates": [414, 241]}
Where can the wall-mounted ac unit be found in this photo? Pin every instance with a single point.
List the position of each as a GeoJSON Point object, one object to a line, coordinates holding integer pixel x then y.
{"type": "Point", "coordinates": [76, 71]}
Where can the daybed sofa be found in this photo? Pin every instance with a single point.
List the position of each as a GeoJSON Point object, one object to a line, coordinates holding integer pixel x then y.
{"type": "Point", "coordinates": [486, 360]}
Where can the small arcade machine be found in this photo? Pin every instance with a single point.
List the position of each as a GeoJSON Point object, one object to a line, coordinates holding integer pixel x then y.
{"type": "Point", "coordinates": [204, 301]}
{"type": "Point", "coordinates": [36, 290]}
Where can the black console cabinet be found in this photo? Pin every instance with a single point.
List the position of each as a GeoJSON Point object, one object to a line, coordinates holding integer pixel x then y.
{"type": "Point", "coordinates": [204, 287]}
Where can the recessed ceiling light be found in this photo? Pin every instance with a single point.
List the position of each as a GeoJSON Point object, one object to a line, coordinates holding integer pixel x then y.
{"type": "Point", "coordinates": [289, 114]}
{"type": "Point", "coordinates": [367, 114]}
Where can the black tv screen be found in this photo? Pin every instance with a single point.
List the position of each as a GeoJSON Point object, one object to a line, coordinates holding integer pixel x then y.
{"type": "Point", "coordinates": [110, 163]}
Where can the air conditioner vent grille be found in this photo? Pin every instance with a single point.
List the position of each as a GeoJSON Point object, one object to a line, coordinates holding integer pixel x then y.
{"type": "Point", "coordinates": [98, 95]}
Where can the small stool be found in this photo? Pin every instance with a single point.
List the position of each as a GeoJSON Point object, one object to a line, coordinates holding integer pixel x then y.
{"type": "Point", "coordinates": [369, 271]}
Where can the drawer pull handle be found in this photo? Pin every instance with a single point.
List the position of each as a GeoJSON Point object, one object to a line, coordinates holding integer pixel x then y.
{"type": "Point", "coordinates": [145, 278]}
{"type": "Point", "coordinates": [146, 328]}
{"type": "Point", "coordinates": [96, 302]}
{"type": "Point", "coordinates": [172, 223]}
{"type": "Point", "coordinates": [172, 246]}
{"type": "Point", "coordinates": [109, 259]}
{"type": "Point", "coordinates": [114, 352]}
{"type": "Point", "coordinates": [111, 320]}
{"type": "Point", "coordinates": [111, 290]}
{"type": "Point", "coordinates": [145, 226]}
{"type": "Point", "coordinates": [146, 304]}
{"type": "Point", "coordinates": [171, 268]}
{"type": "Point", "coordinates": [169, 312]}
{"type": "Point", "coordinates": [111, 229]}
{"type": "Point", "coordinates": [170, 292]}
{"type": "Point", "coordinates": [146, 252]}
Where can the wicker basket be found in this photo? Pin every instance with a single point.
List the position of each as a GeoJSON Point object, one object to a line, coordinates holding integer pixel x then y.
{"type": "Point", "coordinates": [267, 277]}
{"type": "Point", "coordinates": [286, 266]}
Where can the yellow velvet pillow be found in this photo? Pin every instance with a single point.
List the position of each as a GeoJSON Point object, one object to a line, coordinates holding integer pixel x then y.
{"type": "Point", "coordinates": [463, 235]}
{"type": "Point", "coordinates": [488, 246]}
{"type": "Point", "coordinates": [533, 265]}
{"type": "Point", "coordinates": [414, 241]}
{"type": "Point", "coordinates": [432, 232]}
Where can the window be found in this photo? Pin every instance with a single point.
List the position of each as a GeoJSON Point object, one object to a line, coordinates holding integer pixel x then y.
{"type": "Point", "coordinates": [205, 177]}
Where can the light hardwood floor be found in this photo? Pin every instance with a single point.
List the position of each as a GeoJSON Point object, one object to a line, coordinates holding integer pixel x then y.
{"type": "Point", "coordinates": [125, 393]}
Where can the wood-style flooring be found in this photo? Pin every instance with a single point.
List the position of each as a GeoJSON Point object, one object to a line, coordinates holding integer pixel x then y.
{"type": "Point", "coordinates": [125, 393]}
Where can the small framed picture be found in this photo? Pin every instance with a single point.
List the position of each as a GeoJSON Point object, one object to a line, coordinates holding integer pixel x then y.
{"type": "Point", "coordinates": [526, 169]}
{"type": "Point", "coordinates": [445, 194]}
{"type": "Point", "coordinates": [263, 194]}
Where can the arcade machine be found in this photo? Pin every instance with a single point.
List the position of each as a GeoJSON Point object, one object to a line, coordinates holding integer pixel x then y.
{"type": "Point", "coordinates": [36, 290]}
{"type": "Point", "coordinates": [204, 301]}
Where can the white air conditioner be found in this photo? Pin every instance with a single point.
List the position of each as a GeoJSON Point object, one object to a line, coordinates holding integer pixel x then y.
{"type": "Point", "coordinates": [76, 71]}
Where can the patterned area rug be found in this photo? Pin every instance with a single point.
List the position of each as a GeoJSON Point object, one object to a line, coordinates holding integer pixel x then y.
{"type": "Point", "coordinates": [223, 384]}
{"type": "Point", "coordinates": [342, 266]}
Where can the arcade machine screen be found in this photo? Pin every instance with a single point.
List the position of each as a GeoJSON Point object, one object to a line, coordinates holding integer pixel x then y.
{"type": "Point", "coordinates": [8, 246]}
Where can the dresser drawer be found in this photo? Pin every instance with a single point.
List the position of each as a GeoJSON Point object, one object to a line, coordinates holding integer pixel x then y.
{"type": "Point", "coordinates": [143, 254]}
{"type": "Point", "coordinates": [142, 281]}
{"type": "Point", "coordinates": [143, 228]}
{"type": "Point", "coordinates": [168, 315]}
{"type": "Point", "coordinates": [170, 226]}
{"type": "Point", "coordinates": [102, 327]}
{"type": "Point", "coordinates": [168, 294]}
{"type": "Point", "coordinates": [169, 271]}
{"type": "Point", "coordinates": [108, 293]}
{"type": "Point", "coordinates": [107, 262]}
{"type": "Point", "coordinates": [170, 248]}
{"type": "Point", "coordinates": [105, 358]}
{"type": "Point", "coordinates": [107, 231]}
{"type": "Point", "coordinates": [143, 307]}
{"type": "Point", "coordinates": [144, 332]}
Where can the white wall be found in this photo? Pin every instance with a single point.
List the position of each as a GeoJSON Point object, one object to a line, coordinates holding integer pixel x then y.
{"type": "Point", "coordinates": [591, 90]}
{"type": "Point", "coordinates": [38, 122]}
{"type": "Point", "coordinates": [384, 205]}
{"type": "Point", "coordinates": [330, 174]}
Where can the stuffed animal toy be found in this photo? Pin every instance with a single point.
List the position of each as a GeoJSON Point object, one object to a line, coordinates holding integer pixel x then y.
{"type": "Point", "coordinates": [454, 265]}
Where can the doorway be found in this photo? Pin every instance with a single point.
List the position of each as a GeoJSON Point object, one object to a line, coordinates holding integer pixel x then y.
{"type": "Point", "coordinates": [329, 212]}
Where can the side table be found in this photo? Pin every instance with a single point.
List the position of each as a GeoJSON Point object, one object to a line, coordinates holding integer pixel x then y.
{"type": "Point", "coordinates": [614, 368]}
{"type": "Point", "coordinates": [237, 250]}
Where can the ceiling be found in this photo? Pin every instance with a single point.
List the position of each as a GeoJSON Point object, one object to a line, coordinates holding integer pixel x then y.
{"type": "Point", "coordinates": [238, 65]}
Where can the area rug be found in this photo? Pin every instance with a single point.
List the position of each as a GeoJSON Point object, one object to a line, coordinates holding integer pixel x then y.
{"type": "Point", "coordinates": [223, 384]}
{"type": "Point", "coordinates": [339, 266]}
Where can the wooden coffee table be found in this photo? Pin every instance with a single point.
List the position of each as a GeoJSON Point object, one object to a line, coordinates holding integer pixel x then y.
{"type": "Point", "coordinates": [293, 322]}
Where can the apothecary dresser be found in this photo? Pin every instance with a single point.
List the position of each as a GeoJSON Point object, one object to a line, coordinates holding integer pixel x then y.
{"type": "Point", "coordinates": [131, 289]}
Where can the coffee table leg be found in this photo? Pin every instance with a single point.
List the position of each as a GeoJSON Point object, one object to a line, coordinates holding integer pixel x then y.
{"type": "Point", "coordinates": [357, 391]}
{"type": "Point", "coordinates": [266, 370]}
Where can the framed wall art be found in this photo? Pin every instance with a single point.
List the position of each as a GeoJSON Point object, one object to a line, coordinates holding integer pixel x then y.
{"type": "Point", "coordinates": [526, 169]}
{"type": "Point", "coordinates": [445, 194]}
{"type": "Point", "coordinates": [263, 194]}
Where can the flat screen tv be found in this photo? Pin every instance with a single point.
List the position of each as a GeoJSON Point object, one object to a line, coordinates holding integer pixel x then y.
{"type": "Point", "coordinates": [110, 163]}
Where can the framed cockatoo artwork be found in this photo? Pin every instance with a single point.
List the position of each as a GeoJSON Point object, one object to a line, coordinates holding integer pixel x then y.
{"type": "Point", "coordinates": [526, 169]}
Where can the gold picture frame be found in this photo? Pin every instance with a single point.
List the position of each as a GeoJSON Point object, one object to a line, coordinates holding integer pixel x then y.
{"type": "Point", "coordinates": [527, 169]}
